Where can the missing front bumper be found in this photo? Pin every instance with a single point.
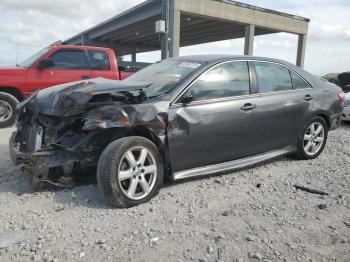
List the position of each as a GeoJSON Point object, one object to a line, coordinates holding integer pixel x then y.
{"type": "Point", "coordinates": [51, 166]}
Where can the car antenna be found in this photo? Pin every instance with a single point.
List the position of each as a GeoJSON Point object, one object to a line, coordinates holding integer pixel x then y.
{"type": "Point", "coordinates": [17, 51]}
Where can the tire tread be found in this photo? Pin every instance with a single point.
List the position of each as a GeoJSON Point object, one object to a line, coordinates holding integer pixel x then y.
{"type": "Point", "coordinates": [106, 170]}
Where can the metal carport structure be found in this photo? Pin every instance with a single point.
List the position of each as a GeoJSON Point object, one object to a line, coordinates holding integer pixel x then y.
{"type": "Point", "coordinates": [190, 22]}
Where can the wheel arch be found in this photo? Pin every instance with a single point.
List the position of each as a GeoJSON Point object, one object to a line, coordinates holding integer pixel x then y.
{"type": "Point", "coordinates": [151, 136]}
{"type": "Point", "coordinates": [14, 91]}
{"type": "Point", "coordinates": [325, 116]}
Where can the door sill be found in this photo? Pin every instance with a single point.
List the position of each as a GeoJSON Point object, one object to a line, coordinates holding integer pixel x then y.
{"type": "Point", "coordinates": [231, 165]}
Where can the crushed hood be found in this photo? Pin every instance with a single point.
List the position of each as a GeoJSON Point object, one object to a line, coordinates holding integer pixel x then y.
{"type": "Point", "coordinates": [70, 99]}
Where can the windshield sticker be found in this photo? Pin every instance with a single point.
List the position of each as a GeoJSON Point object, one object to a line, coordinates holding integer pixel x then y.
{"type": "Point", "coordinates": [190, 65]}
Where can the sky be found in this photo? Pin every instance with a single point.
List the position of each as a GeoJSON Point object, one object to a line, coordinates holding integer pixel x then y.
{"type": "Point", "coordinates": [26, 26]}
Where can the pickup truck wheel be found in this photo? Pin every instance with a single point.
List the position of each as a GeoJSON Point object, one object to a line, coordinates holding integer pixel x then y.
{"type": "Point", "coordinates": [130, 172]}
{"type": "Point", "coordinates": [8, 105]}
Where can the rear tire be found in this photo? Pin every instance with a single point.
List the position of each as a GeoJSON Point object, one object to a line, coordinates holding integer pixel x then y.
{"type": "Point", "coordinates": [130, 172]}
{"type": "Point", "coordinates": [8, 105]}
{"type": "Point", "coordinates": [312, 139]}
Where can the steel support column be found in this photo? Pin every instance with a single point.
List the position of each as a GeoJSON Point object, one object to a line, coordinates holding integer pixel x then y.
{"type": "Point", "coordinates": [301, 50]}
{"type": "Point", "coordinates": [133, 55]}
{"type": "Point", "coordinates": [174, 30]}
{"type": "Point", "coordinates": [164, 36]}
{"type": "Point", "coordinates": [249, 39]}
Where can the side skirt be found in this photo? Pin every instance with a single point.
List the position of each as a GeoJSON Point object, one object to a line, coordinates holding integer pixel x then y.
{"type": "Point", "coordinates": [231, 165]}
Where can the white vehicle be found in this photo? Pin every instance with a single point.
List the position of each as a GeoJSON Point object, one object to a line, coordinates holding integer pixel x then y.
{"type": "Point", "coordinates": [346, 110]}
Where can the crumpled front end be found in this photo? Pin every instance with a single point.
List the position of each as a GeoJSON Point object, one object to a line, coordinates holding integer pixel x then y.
{"type": "Point", "coordinates": [57, 140]}
{"type": "Point", "coordinates": [52, 147]}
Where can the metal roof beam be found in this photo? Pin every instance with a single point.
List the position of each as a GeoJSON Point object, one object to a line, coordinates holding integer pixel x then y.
{"type": "Point", "coordinates": [219, 37]}
{"type": "Point", "coordinates": [140, 35]}
{"type": "Point", "coordinates": [122, 33]}
{"type": "Point", "coordinates": [122, 46]}
{"type": "Point", "coordinates": [244, 14]}
{"type": "Point", "coordinates": [139, 13]}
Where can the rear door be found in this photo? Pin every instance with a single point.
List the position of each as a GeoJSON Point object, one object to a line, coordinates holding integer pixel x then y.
{"type": "Point", "coordinates": [284, 104]}
{"type": "Point", "coordinates": [69, 65]}
{"type": "Point", "coordinates": [100, 64]}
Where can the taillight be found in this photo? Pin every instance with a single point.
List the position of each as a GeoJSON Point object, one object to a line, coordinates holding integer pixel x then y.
{"type": "Point", "coordinates": [341, 96]}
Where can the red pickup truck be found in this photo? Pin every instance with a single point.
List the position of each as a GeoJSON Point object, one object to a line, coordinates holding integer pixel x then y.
{"type": "Point", "coordinates": [51, 66]}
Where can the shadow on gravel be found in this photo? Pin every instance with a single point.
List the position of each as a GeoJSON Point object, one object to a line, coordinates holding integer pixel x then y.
{"type": "Point", "coordinates": [345, 124]}
{"type": "Point", "coordinates": [82, 196]}
{"type": "Point", "coordinates": [85, 193]}
{"type": "Point", "coordinates": [12, 179]}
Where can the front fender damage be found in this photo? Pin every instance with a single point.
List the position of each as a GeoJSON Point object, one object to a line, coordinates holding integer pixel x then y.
{"type": "Point", "coordinates": [152, 118]}
{"type": "Point", "coordinates": [71, 143]}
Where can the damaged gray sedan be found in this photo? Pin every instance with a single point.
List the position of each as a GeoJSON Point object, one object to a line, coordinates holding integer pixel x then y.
{"type": "Point", "coordinates": [180, 118]}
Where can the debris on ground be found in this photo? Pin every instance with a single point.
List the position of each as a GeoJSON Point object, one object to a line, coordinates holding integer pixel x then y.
{"type": "Point", "coordinates": [154, 240]}
{"type": "Point", "coordinates": [322, 206]}
{"type": "Point", "coordinates": [310, 190]}
{"type": "Point", "coordinates": [225, 213]}
{"type": "Point", "coordinates": [256, 256]}
{"type": "Point", "coordinates": [347, 223]}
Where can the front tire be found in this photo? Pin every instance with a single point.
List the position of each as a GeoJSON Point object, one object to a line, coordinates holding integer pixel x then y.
{"type": "Point", "coordinates": [312, 139]}
{"type": "Point", "coordinates": [8, 105]}
{"type": "Point", "coordinates": [130, 172]}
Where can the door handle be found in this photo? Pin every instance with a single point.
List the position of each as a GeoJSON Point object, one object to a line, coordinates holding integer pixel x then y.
{"type": "Point", "coordinates": [308, 98]}
{"type": "Point", "coordinates": [85, 77]}
{"type": "Point", "coordinates": [248, 107]}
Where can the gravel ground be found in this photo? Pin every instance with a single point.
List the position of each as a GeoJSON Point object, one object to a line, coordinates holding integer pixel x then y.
{"type": "Point", "coordinates": [250, 215]}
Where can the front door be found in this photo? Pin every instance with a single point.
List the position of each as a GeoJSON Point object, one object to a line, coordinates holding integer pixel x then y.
{"type": "Point", "coordinates": [69, 65]}
{"type": "Point", "coordinates": [222, 123]}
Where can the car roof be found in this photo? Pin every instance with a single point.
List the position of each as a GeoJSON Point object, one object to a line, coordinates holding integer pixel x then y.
{"type": "Point", "coordinates": [220, 57]}
{"type": "Point", "coordinates": [79, 47]}
{"type": "Point", "coordinates": [217, 58]}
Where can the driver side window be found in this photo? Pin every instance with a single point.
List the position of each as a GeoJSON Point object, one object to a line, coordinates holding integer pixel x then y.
{"type": "Point", "coordinates": [225, 80]}
{"type": "Point", "coordinates": [69, 59]}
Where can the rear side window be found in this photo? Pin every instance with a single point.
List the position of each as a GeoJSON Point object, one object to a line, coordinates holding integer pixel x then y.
{"type": "Point", "coordinates": [225, 80]}
{"type": "Point", "coordinates": [69, 60]}
{"type": "Point", "coordinates": [298, 82]}
{"type": "Point", "coordinates": [272, 77]}
{"type": "Point", "coordinates": [99, 60]}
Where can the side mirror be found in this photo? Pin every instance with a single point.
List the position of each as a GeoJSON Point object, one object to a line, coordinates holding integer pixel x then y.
{"type": "Point", "coordinates": [46, 63]}
{"type": "Point", "coordinates": [187, 98]}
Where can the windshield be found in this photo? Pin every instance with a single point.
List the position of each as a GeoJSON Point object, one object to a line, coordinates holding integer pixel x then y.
{"type": "Point", "coordinates": [31, 60]}
{"type": "Point", "coordinates": [163, 76]}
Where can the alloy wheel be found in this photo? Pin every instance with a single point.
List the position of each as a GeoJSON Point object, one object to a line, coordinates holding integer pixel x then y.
{"type": "Point", "coordinates": [313, 138]}
{"type": "Point", "coordinates": [137, 173]}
